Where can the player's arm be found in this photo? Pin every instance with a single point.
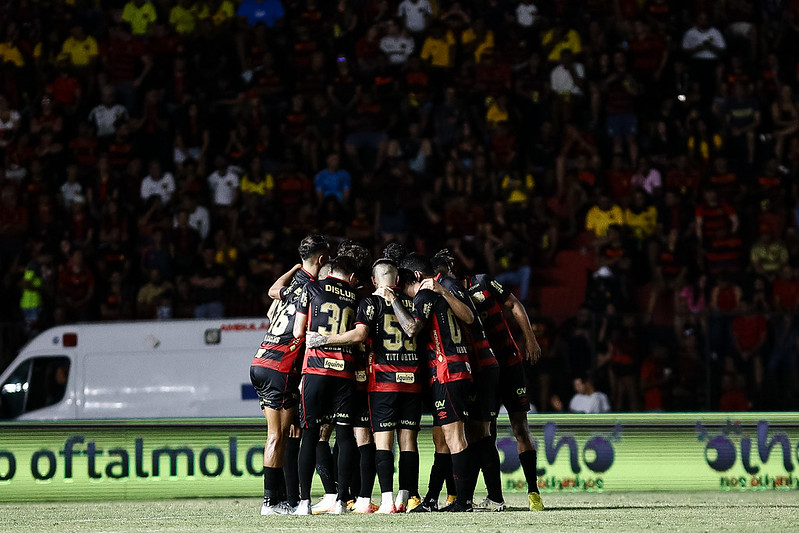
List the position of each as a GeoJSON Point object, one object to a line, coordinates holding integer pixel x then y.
{"type": "Point", "coordinates": [353, 336]}
{"type": "Point", "coordinates": [409, 324]}
{"type": "Point", "coordinates": [301, 317]}
{"type": "Point", "coordinates": [532, 351]}
{"type": "Point", "coordinates": [461, 310]}
{"type": "Point", "coordinates": [275, 291]}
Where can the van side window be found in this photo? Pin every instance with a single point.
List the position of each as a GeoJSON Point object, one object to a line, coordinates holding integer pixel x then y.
{"type": "Point", "coordinates": [36, 383]}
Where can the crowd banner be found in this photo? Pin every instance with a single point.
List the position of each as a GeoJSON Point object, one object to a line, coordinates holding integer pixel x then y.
{"type": "Point", "coordinates": [155, 459]}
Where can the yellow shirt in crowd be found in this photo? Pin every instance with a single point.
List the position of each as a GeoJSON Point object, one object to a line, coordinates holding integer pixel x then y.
{"type": "Point", "coordinates": [599, 221]}
{"type": "Point", "coordinates": [81, 53]}
{"type": "Point", "coordinates": [139, 18]}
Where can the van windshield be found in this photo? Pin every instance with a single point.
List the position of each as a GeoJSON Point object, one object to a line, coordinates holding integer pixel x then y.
{"type": "Point", "coordinates": [36, 383]}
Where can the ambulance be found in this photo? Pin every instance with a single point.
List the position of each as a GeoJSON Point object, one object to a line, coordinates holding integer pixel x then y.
{"type": "Point", "coordinates": [148, 369]}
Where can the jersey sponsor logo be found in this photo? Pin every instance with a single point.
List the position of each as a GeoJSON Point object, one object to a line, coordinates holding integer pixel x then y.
{"type": "Point", "coordinates": [440, 404]}
{"type": "Point", "coordinates": [405, 377]}
{"type": "Point", "coordinates": [334, 364]}
{"type": "Point", "coordinates": [497, 285]}
{"type": "Point", "coordinates": [468, 367]}
{"type": "Point", "coordinates": [478, 297]}
{"type": "Point", "coordinates": [426, 309]}
{"type": "Point", "coordinates": [341, 292]}
{"type": "Point", "coordinates": [360, 375]}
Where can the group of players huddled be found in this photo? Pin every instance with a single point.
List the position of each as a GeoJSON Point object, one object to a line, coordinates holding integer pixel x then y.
{"type": "Point", "coordinates": [363, 360]}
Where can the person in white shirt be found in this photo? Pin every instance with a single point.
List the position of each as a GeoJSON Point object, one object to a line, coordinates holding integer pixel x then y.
{"type": "Point", "coordinates": [107, 115]}
{"type": "Point", "coordinates": [567, 81]}
{"type": "Point", "coordinates": [71, 190]}
{"type": "Point", "coordinates": [416, 13]}
{"type": "Point", "coordinates": [526, 14]}
{"type": "Point", "coordinates": [704, 45]}
{"type": "Point", "coordinates": [158, 183]}
{"type": "Point", "coordinates": [396, 45]}
{"type": "Point", "coordinates": [199, 216]}
{"type": "Point", "coordinates": [647, 177]}
{"type": "Point", "coordinates": [224, 184]}
{"type": "Point", "coordinates": [588, 400]}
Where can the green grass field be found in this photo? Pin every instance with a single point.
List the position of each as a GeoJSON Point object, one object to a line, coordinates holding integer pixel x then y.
{"type": "Point", "coordinates": [689, 511]}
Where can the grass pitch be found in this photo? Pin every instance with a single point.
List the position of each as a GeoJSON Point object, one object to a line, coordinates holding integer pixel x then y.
{"type": "Point", "coordinates": [639, 511]}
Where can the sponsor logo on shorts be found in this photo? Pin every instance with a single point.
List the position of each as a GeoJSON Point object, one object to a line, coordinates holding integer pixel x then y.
{"type": "Point", "coordinates": [440, 404]}
{"type": "Point", "coordinates": [405, 377]}
{"type": "Point", "coordinates": [521, 391]}
{"type": "Point", "coordinates": [389, 424]}
{"type": "Point", "coordinates": [442, 415]}
{"type": "Point", "coordinates": [360, 375]}
{"type": "Point", "coordinates": [472, 398]}
{"type": "Point", "coordinates": [409, 422]}
{"type": "Point", "coordinates": [334, 364]}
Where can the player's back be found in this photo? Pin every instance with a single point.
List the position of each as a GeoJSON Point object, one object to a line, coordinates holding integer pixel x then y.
{"type": "Point", "coordinates": [442, 338]}
{"type": "Point", "coordinates": [488, 296]}
{"type": "Point", "coordinates": [331, 305]}
{"type": "Point", "coordinates": [395, 363]}
{"type": "Point", "coordinates": [279, 348]}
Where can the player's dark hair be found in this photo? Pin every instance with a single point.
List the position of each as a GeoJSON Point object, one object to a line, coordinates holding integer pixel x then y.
{"type": "Point", "coordinates": [344, 265]}
{"type": "Point", "coordinates": [312, 245]}
{"type": "Point", "coordinates": [443, 262]}
{"type": "Point", "coordinates": [417, 262]}
{"type": "Point", "coordinates": [406, 277]}
{"type": "Point", "coordinates": [360, 253]}
{"type": "Point", "coordinates": [395, 251]}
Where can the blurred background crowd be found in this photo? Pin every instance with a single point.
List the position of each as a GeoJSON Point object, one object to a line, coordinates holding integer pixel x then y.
{"type": "Point", "coordinates": [627, 166]}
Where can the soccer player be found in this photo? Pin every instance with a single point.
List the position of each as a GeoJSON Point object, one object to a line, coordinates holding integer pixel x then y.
{"type": "Point", "coordinates": [484, 399]}
{"type": "Point", "coordinates": [328, 377]}
{"type": "Point", "coordinates": [449, 371]}
{"type": "Point", "coordinates": [489, 296]}
{"type": "Point", "coordinates": [395, 387]}
{"type": "Point", "coordinates": [275, 375]}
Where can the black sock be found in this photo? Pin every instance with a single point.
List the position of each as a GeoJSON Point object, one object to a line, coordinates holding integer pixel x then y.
{"type": "Point", "coordinates": [290, 471]}
{"type": "Point", "coordinates": [368, 469]}
{"type": "Point", "coordinates": [489, 461]}
{"type": "Point", "coordinates": [272, 484]}
{"type": "Point", "coordinates": [324, 466]}
{"type": "Point", "coordinates": [347, 459]}
{"type": "Point", "coordinates": [307, 461]}
{"type": "Point", "coordinates": [441, 469]}
{"type": "Point", "coordinates": [384, 462]}
{"type": "Point", "coordinates": [449, 480]}
{"type": "Point", "coordinates": [461, 474]}
{"type": "Point", "coordinates": [528, 460]}
{"type": "Point", "coordinates": [409, 473]}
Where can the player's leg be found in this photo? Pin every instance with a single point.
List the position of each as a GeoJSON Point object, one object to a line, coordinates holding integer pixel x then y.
{"type": "Point", "coordinates": [452, 425]}
{"type": "Point", "coordinates": [343, 404]}
{"type": "Point", "coordinates": [409, 416]}
{"type": "Point", "coordinates": [313, 409]}
{"type": "Point", "coordinates": [291, 460]}
{"type": "Point", "coordinates": [384, 462]}
{"type": "Point", "coordinates": [326, 469]}
{"type": "Point", "coordinates": [366, 455]}
{"type": "Point", "coordinates": [267, 386]}
{"type": "Point", "coordinates": [483, 413]}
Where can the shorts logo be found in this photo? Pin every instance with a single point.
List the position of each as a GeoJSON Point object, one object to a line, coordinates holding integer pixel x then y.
{"type": "Point", "coordinates": [440, 404]}
{"type": "Point", "coordinates": [408, 422]}
{"type": "Point", "coordinates": [405, 377]}
{"type": "Point", "coordinates": [360, 376]}
{"type": "Point", "coordinates": [521, 391]}
{"type": "Point", "coordinates": [334, 364]}
{"type": "Point", "coordinates": [442, 415]}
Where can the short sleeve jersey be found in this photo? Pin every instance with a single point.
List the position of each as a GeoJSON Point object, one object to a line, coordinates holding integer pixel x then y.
{"type": "Point", "coordinates": [488, 296]}
{"type": "Point", "coordinates": [279, 348]}
{"type": "Point", "coordinates": [394, 364]}
{"type": "Point", "coordinates": [482, 354]}
{"type": "Point", "coordinates": [442, 339]}
{"type": "Point", "coordinates": [331, 306]}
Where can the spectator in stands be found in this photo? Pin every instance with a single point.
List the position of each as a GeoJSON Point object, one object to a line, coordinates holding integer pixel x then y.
{"type": "Point", "coordinates": [704, 45]}
{"type": "Point", "coordinates": [107, 116]}
{"type": "Point", "coordinates": [207, 282]}
{"type": "Point", "coordinates": [768, 257]}
{"type": "Point", "coordinates": [141, 15]}
{"type": "Point", "coordinates": [602, 216]}
{"type": "Point", "coordinates": [158, 183]}
{"type": "Point", "coordinates": [586, 398]}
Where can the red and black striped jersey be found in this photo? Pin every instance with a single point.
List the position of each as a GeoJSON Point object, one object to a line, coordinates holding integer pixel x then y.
{"type": "Point", "coordinates": [482, 355]}
{"type": "Point", "coordinates": [489, 296]}
{"type": "Point", "coordinates": [442, 339]}
{"type": "Point", "coordinates": [279, 349]}
{"type": "Point", "coordinates": [394, 363]}
{"type": "Point", "coordinates": [330, 304]}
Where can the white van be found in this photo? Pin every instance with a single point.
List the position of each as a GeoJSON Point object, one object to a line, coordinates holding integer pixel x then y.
{"type": "Point", "coordinates": [153, 369]}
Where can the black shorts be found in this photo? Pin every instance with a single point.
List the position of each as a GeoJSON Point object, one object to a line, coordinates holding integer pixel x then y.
{"type": "Point", "coordinates": [450, 401]}
{"type": "Point", "coordinates": [276, 390]}
{"type": "Point", "coordinates": [483, 398]}
{"type": "Point", "coordinates": [395, 410]}
{"type": "Point", "coordinates": [326, 400]}
{"type": "Point", "coordinates": [513, 389]}
{"type": "Point", "coordinates": [361, 413]}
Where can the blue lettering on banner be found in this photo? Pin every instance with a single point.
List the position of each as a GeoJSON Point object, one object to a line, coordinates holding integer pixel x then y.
{"type": "Point", "coordinates": [248, 392]}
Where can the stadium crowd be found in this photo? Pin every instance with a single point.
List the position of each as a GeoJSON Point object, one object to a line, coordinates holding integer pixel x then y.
{"type": "Point", "coordinates": [162, 159]}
